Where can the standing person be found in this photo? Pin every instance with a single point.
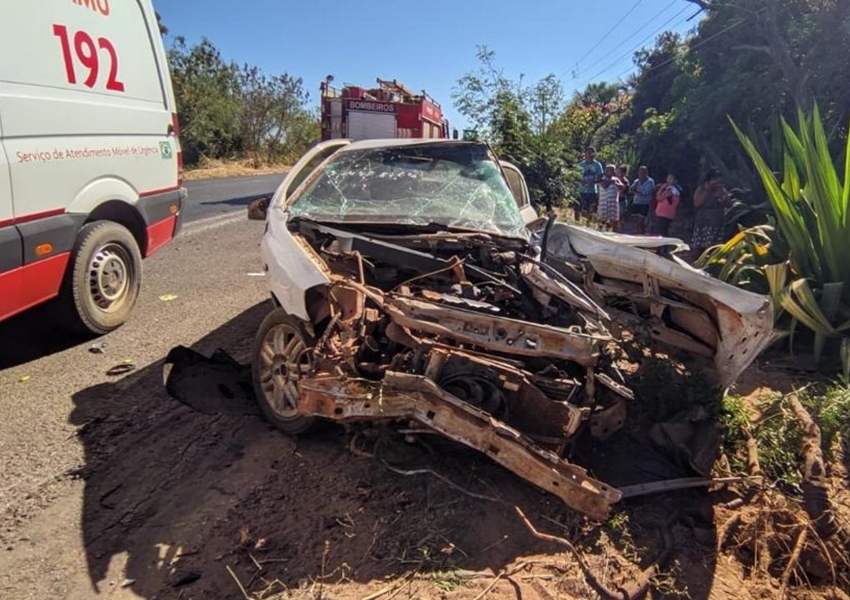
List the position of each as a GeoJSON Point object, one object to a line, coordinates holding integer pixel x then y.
{"type": "Point", "coordinates": [591, 173]}
{"type": "Point", "coordinates": [623, 176]}
{"type": "Point", "coordinates": [710, 201]}
{"type": "Point", "coordinates": [609, 197]}
{"type": "Point", "coordinates": [642, 187]}
{"type": "Point", "coordinates": [668, 197]}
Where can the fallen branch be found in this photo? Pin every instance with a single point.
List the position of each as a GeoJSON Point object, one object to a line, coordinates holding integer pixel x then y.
{"type": "Point", "coordinates": [792, 561]}
{"type": "Point", "coordinates": [753, 466]}
{"type": "Point", "coordinates": [239, 583]}
{"type": "Point", "coordinates": [631, 591]}
{"type": "Point", "coordinates": [491, 586]}
{"type": "Point", "coordinates": [445, 480]}
{"type": "Point", "coordinates": [815, 494]}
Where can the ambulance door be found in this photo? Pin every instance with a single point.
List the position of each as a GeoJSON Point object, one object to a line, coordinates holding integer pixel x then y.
{"type": "Point", "coordinates": [11, 252]}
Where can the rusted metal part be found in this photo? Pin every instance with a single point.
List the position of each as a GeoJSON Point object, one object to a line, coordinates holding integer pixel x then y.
{"type": "Point", "coordinates": [538, 280]}
{"type": "Point", "coordinates": [524, 406]}
{"type": "Point", "coordinates": [499, 334]}
{"type": "Point", "coordinates": [657, 487]}
{"type": "Point", "coordinates": [414, 397]}
{"type": "Point", "coordinates": [603, 423]}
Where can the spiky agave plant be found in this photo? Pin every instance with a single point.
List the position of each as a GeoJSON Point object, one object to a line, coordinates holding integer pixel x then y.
{"type": "Point", "coordinates": [810, 203]}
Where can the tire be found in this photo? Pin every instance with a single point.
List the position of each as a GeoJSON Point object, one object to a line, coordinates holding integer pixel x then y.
{"type": "Point", "coordinates": [102, 285]}
{"type": "Point", "coordinates": [280, 358]}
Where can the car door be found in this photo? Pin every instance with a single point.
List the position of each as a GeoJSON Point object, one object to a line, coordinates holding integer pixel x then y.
{"type": "Point", "coordinates": [516, 181]}
{"type": "Point", "coordinates": [291, 271]}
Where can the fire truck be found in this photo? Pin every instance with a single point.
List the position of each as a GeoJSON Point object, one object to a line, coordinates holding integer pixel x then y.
{"type": "Point", "coordinates": [390, 110]}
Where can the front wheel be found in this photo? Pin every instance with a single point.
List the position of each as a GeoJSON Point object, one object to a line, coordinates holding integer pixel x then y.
{"type": "Point", "coordinates": [281, 358]}
{"type": "Point", "coordinates": [102, 285]}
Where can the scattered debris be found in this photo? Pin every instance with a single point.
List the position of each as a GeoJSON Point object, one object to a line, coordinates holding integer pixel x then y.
{"type": "Point", "coordinates": [127, 583]}
{"type": "Point", "coordinates": [169, 297]}
{"type": "Point", "coordinates": [257, 209]}
{"type": "Point", "coordinates": [125, 367]}
{"type": "Point", "coordinates": [98, 348]}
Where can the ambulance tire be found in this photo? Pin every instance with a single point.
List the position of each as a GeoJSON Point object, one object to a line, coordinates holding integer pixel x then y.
{"type": "Point", "coordinates": [102, 283]}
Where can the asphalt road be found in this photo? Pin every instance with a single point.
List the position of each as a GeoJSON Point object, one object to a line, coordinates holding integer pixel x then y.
{"type": "Point", "coordinates": [212, 197]}
{"type": "Point", "coordinates": [208, 277]}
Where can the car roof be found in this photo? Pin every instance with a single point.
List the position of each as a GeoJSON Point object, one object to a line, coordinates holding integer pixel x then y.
{"type": "Point", "coordinates": [398, 142]}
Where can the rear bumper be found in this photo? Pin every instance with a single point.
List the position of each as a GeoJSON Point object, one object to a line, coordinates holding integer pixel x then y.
{"type": "Point", "coordinates": [163, 216]}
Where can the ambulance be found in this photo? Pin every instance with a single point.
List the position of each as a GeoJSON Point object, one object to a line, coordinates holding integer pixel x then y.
{"type": "Point", "coordinates": [90, 163]}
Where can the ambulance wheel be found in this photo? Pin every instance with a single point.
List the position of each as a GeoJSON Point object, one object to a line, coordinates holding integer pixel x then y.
{"type": "Point", "coordinates": [103, 282]}
{"type": "Point", "coordinates": [281, 358]}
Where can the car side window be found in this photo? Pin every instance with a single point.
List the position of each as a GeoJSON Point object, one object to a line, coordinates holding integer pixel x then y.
{"type": "Point", "coordinates": [517, 184]}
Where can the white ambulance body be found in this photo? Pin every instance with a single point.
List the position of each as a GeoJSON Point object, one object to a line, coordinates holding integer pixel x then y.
{"type": "Point", "coordinates": [90, 161]}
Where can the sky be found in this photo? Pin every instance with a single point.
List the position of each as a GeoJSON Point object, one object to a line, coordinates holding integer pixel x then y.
{"type": "Point", "coordinates": [429, 45]}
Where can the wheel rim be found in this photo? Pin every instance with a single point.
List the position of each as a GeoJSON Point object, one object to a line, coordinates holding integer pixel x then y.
{"type": "Point", "coordinates": [110, 273]}
{"type": "Point", "coordinates": [283, 361]}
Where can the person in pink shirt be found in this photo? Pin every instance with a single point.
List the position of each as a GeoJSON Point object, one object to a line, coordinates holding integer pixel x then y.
{"type": "Point", "coordinates": [669, 197]}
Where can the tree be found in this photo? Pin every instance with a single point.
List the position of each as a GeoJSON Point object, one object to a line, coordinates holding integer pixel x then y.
{"type": "Point", "coordinates": [477, 94]}
{"type": "Point", "coordinates": [270, 106]}
{"type": "Point", "coordinates": [520, 122]}
{"type": "Point", "coordinates": [510, 129]}
{"type": "Point", "coordinates": [163, 30]}
{"type": "Point", "coordinates": [206, 89]}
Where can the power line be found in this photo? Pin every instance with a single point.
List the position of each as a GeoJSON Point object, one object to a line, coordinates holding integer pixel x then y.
{"type": "Point", "coordinates": [635, 48]}
{"type": "Point", "coordinates": [609, 32]}
{"type": "Point", "coordinates": [695, 46]}
{"type": "Point", "coordinates": [637, 32]}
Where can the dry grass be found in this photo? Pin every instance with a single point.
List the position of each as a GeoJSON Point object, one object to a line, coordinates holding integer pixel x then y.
{"type": "Point", "coordinates": [210, 169]}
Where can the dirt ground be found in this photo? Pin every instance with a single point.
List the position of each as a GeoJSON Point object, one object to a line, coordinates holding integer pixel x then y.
{"type": "Point", "coordinates": [178, 504]}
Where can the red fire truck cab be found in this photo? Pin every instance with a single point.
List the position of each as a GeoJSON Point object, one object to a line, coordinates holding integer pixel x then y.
{"type": "Point", "coordinates": [389, 111]}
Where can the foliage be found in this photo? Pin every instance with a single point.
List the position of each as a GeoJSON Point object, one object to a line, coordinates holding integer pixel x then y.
{"type": "Point", "coordinates": [810, 204]}
{"type": "Point", "coordinates": [742, 259]}
{"type": "Point", "coordinates": [535, 128]}
{"type": "Point", "coordinates": [777, 432]}
{"type": "Point", "coordinates": [753, 60]}
{"type": "Point", "coordinates": [163, 30]}
{"type": "Point", "coordinates": [272, 109]}
{"type": "Point", "coordinates": [480, 96]}
{"type": "Point", "coordinates": [206, 90]}
{"type": "Point", "coordinates": [228, 111]}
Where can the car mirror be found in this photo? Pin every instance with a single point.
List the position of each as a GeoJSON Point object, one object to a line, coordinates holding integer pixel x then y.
{"type": "Point", "coordinates": [258, 209]}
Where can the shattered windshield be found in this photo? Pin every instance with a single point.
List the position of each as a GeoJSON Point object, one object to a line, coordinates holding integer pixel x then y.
{"type": "Point", "coordinates": [452, 185]}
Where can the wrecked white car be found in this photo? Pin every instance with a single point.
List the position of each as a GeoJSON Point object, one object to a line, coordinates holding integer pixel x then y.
{"type": "Point", "coordinates": [414, 282]}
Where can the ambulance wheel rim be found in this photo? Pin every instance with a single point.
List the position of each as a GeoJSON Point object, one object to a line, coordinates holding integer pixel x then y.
{"type": "Point", "coordinates": [110, 276]}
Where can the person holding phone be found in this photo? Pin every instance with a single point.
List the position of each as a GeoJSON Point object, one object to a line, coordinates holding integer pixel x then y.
{"type": "Point", "coordinates": [668, 198]}
{"type": "Point", "coordinates": [710, 200]}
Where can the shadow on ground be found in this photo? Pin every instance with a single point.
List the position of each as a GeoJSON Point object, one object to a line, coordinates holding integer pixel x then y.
{"type": "Point", "coordinates": [34, 334]}
{"type": "Point", "coordinates": [176, 500]}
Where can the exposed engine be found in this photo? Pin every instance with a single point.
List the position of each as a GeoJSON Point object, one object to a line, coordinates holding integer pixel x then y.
{"type": "Point", "coordinates": [483, 320]}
